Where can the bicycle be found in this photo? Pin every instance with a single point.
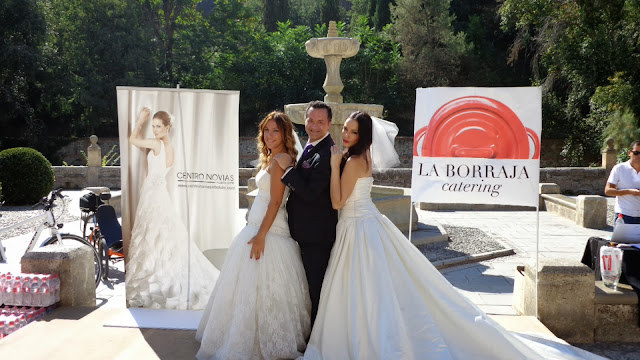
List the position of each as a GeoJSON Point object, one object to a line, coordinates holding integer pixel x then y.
{"type": "Point", "coordinates": [47, 220]}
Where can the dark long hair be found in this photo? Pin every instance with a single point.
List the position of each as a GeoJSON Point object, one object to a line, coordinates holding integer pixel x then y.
{"type": "Point", "coordinates": [365, 139]}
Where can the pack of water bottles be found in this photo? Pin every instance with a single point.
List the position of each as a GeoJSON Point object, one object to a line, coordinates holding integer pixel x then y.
{"type": "Point", "coordinates": [13, 318]}
{"type": "Point", "coordinates": [39, 290]}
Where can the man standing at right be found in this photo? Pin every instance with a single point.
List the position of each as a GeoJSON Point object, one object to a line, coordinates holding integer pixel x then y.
{"type": "Point", "coordinates": [624, 184]}
{"type": "Point", "coordinates": [312, 219]}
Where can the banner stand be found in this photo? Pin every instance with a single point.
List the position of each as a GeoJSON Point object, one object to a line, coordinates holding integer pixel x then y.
{"type": "Point", "coordinates": [411, 204]}
{"type": "Point", "coordinates": [537, 251]}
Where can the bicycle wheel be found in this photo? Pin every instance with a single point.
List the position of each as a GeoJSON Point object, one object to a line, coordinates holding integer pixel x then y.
{"type": "Point", "coordinates": [103, 250]}
{"type": "Point", "coordinates": [70, 239]}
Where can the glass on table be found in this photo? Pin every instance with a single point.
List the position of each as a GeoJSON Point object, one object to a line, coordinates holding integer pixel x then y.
{"type": "Point", "coordinates": [610, 266]}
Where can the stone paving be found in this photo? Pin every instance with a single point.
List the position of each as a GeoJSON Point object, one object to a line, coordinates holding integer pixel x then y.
{"type": "Point", "coordinates": [488, 284]}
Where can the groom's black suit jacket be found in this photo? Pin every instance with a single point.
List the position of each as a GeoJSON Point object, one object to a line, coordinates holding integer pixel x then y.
{"type": "Point", "coordinates": [312, 219]}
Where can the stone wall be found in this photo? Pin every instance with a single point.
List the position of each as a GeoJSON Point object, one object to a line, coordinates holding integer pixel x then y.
{"type": "Point", "coordinates": [549, 154]}
{"type": "Point", "coordinates": [572, 180]}
{"type": "Point", "coordinates": [78, 177]}
{"type": "Point", "coordinates": [576, 180]}
{"type": "Point", "coordinates": [247, 149]}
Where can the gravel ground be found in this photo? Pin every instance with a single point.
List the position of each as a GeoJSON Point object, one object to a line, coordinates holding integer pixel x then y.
{"type": "Point", "coordinates": [462, 241]}
{"type": "Point", "coordinates": [10, 215]}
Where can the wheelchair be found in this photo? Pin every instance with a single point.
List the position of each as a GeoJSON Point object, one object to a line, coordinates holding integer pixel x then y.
{"type": "Point", "coordinates": [106, 233]}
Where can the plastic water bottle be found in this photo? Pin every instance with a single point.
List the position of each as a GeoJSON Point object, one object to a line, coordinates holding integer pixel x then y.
{"type": "Point", "coordinates": [45, 294]}
{"type": "Point", "coordinates": [55, 282]}
{"type": "Point", "coordinates": [619, 220]}
{"type": "Point", "coordinates": [26, 291]}
{"type": "Point", "coordinates": [16, 290]}
{"type": "Point", "coordinates": [34, 291]}
{"type": "Point", "coordinates": [3, 278]}
{"type": "Point", "coordinates": [7, 297]}
{"type": "Point", "coordinates": [11, 327]}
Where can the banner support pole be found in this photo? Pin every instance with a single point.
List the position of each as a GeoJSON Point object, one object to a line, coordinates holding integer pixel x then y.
{"type": "Point", "coordinates": [537, 252]}
{"type": "Point", "coordinates": [410, 218]}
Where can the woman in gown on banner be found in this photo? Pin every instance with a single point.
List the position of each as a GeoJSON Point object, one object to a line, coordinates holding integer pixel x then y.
{"type": "Point", "coordinates": [260, 307]}
{"type": "Point", "coordinates": [164, 268]}
{"type": "Point", "coordinates": [381, 298]}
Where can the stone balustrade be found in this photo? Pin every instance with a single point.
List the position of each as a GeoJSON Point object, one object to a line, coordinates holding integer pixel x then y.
{"type": "Point", "coordinates": [589, 211]}
{"type": "Point", "coordinates": [573, 305]}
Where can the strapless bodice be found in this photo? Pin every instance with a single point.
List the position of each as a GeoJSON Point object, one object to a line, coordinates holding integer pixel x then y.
{"type": "Point", "coordinates": [359, 203]}
{"type": "Point", "coordinates": [157, 167]}
{"type": "Point", "coordinates": [261, 201]}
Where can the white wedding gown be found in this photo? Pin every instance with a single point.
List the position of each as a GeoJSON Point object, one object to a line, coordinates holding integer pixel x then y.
{"type": "Point", "coordinates": [165, 269]}
{"type": "Point", "coordinates": [259, 309]}
{"type": "Point", "coordinates": [382, 299]}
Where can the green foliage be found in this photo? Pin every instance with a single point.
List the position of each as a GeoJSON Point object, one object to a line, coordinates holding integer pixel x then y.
{"type": "Point", "coordinates": [271, 71]}
{"type": "Point", "coordinates": [623, 129]}
{"type": "Point", "coordinates": [22, 34]}
{"type": "Point", "coordinates": [26, 176]}
{"type": "Point", "coordinates": [275, 11]}
{"type": "Point", "coordinates": [112, 157]}
{"type": "Point", "coordinates": [432, 51]}
{"type": "Point", "coordinates": [371, 76]}
{"type": "Point", "coordinates": [382, 14]}
{"type": "Point", "coordinates": [330, 11]}
{"type": "Point", "coordinates": [575, 48]}
{"type": "Point", "coordinates": [62, 59]}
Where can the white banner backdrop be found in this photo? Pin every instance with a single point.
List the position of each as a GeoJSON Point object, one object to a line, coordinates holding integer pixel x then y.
{"type": "Point", "coordinates": [477, 146]}
{"type": "Point", "coordinates": [202, 184]}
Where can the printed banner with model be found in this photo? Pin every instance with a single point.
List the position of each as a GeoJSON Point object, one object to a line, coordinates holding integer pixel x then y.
{"type": "Point", "coordinates": [477, 146]}
{"type": "Point", "coordinates": [179, 178]}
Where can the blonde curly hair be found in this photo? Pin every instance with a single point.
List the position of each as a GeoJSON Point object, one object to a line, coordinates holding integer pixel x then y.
{"type": "Point", "coordinates": [286, 129]}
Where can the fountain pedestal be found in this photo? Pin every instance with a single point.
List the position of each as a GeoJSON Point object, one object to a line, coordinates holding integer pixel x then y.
{"type": "Point", "coordinates": [394, 203]}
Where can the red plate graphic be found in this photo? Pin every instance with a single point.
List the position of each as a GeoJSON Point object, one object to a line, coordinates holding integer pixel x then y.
{"type": "Point", "coordinates": [476, 127]}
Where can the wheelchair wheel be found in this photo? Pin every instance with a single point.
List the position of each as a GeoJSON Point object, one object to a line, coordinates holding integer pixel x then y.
{"type": "Point", "coordinates": [103, 250]}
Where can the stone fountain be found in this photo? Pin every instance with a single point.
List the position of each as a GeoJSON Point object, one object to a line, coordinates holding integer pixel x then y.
{"type": "Point", "coordinates": [333, 49]}
{"type": "Point", "coordinates": [394, 202]}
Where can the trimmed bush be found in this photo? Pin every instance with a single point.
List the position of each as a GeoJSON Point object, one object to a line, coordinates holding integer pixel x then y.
{"type": "Point", "coordinates": [26, 176]}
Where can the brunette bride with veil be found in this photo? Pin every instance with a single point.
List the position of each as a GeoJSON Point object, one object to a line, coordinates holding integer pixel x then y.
{"type": "Point", "coordinates": [164, 269]}
{"type": "Point", "coordinates": [381, 298]}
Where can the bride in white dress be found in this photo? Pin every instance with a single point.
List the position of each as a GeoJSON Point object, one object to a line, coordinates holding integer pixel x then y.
{"type": "Point", "coordinates": [260, 306]}
{"type": "Point", "coordinates": [164, 268]}
{"type": "Point", "coordinates": [382, 299]}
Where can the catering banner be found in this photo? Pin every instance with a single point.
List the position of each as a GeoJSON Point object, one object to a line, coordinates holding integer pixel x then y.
{"type": "Point", "coordinates": [179, 181]}
{"type": "Point", "coordinates": [477, 145]}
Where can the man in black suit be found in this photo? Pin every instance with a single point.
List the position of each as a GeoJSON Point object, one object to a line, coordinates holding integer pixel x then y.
{"type": "Point", "coordinates": [312, 219]}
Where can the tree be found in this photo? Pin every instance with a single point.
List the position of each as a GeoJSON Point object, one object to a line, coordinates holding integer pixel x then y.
{"type": "Point", "coordinates": [382, 13]}
{"type": "Point", "coordinates": [431, 50]}
{"type": "Point", "coordinates": [275, 11]}
{"type": "Point", "coordinates": [574, 49]}
{"type": "Point", "coordinates": [85, 62]}
{"type": "Point", "coordinates": [372, 75]}
{"type": "Point", "coordinates": [330, 11]}
{"type": "Point", "coordinates": [485, 64]}
{"type": "Point", "coordinates": [167, 18]}
{"type": "Point", "coordinates": [22, 34]}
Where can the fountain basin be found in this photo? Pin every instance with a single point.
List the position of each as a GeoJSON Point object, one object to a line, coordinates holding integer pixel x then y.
{"type": "Point", "coordinates": [332, 46]}
{"type": "Point", "coordinates": [393, 202]}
